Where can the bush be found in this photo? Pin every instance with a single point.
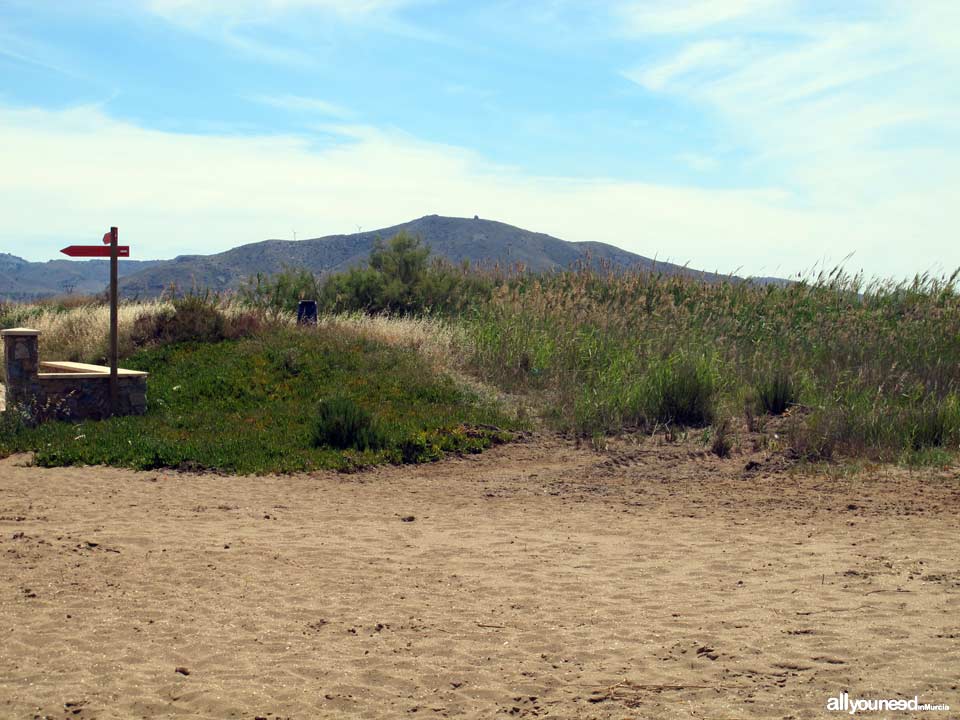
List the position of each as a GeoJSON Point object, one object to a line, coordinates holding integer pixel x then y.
{"type": "Point", "coordinates": [420, 448]}
{"type": "Point", "coordinates": [195, 318]}
{"type": "Point", "coordinates": [721, 443]}
{"type": "Point", "coordinates": [399, 280]}
{"type": "Point", "coordinates": [776, 391]}
{"type": "Point", "coordinates": [241, 325]}
{"type": "Point", "coordinates": [281, 292]}
{"type": "Point", "coordinates": [681, 390]}
{"type": "Point", "coordinates": [145, 331]}
{"type": "Point", "coordinates": [391, 283]}
{"type": "Point", "coordinates": [342, 423]}
{"type": "Point", "coordinates": [814, 438]}
{"type": "Point", "coordinates": [932, 424]}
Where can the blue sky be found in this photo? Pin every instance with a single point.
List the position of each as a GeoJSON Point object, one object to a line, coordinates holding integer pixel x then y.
{"type": "Point", "coordinates": [764, 136]}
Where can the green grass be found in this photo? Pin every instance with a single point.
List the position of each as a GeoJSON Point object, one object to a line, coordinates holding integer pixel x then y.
{"type": "Point", "coordinates": [343, 423]}
{"type": "Point", "coordinates": [871, 370]}
{"type": "Point", "coordinates": [253, 406]}
{"type": "Point", "coordinates": [776, 391]}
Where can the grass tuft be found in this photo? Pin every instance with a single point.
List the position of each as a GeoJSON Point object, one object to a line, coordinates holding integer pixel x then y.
{"type": "Point", "coordinates": [681, 390]}
{"type": "Point", "coordinates": [721, 442]}
{"type": "Point", "coordinates": [342, 423]}
{"type": "Point", "coordinates": [776, 391]}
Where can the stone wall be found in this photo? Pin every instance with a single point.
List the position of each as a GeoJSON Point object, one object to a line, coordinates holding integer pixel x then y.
{"type": "Point", "coordinates": [66, 398]}
{"type": "Point", "coordinates": [64, 395]}
{"type": "Point", "coordinates": [21, 354]}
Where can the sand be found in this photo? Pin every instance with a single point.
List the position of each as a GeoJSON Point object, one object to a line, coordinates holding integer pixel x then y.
{"type": "Point", "coordinates": [540, 579]}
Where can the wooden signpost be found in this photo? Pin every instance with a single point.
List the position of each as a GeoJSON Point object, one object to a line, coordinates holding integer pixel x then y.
{"type": "Point", "coordinates": [114, 252]}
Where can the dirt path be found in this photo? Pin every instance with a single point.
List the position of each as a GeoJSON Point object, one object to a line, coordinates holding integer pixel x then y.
{"type": "Point", "coordinates": [537, 580]}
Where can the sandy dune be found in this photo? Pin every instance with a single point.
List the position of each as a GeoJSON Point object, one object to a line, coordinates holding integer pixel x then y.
{"type": "Point", "coordinates": [537, 580]}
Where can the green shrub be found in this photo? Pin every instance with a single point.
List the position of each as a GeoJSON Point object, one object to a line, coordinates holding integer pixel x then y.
{"type": "Point", "coordinates": [776, 391]}
{"type": "Point", "coordinates": [399, 279]}
{"type": "Point", "coordinates": [681, 390]}
{"type": "Point", "coordinates": [7, 315]}
{"type": "Point", "coordinates": [13, 420]}
{"type": "Point", "coordinates": [932, 424]}
{"type": "Point", "coordinates": [281, 292]}
{"type": "Point", "coordinates": [195, 318]}
{"type": "Point", "coordinates": [420, 448]}
{"type": "Point", "coordinates": [342, 424]}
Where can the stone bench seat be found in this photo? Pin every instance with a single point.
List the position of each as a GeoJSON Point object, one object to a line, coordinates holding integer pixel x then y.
{"type": "Point", "coordinates": [72, 391]}
{"type": "Point", "coordinates": [78, 370]}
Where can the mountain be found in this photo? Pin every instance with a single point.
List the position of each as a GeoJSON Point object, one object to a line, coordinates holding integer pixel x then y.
{"type": "Point", "coordinates": [23, 280]}
{"type": "Point", "coordinates": [482, 242]}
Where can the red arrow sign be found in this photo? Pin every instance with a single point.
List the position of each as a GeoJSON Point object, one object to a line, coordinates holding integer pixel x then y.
{"type": "Point", "coordinates": [95, 251]}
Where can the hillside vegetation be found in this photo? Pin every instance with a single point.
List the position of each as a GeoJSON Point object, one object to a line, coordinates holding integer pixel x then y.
{"type": "Point", "coordinates": [825, 367]}
{"type": "Point", "coordinates": [279, 399]}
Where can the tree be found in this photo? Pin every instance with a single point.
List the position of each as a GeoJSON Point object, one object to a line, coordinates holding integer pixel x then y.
{"type": "Point", "coordinates": [403, 258]}
{"type": "Point", "coordinates": [390, 283]}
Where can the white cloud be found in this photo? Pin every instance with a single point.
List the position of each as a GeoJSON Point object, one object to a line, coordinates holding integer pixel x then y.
{"type": "Point", "coordinates": [195, 11]}
{"type": "Point", "coordinates": [67, 175]}
{"type": "Point", "coordinates": [283, 32]}
{"type": "Point", "coordinates": [18, 48]}
{"type": "Point", "coordinates": [699, 161]}
{"type": "Point", "coordinates": [702, 58]}
{"type": "Point", "coordinates": [685, 16]}
{"type": "Point", "coordinates": [301, 104]}
{"type": "Point", "coordinates": [835, 107]}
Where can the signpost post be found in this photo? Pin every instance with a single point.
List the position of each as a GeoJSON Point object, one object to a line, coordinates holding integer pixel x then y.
{"type": "Point", "coordinates": [114, 252]}
{"type": "Point", "coordinates": [114, 249]}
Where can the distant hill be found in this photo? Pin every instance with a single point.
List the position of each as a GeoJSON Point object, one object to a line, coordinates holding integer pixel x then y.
{"type": "Point", "coordinates": [482, 242]}
{"type": "Point", "coordinates": [23, 280]}
{"type": "Point", "coordinates": [456, 239]}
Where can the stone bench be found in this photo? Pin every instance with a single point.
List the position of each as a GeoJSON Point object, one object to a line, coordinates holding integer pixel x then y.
{"type": "Point", "coordinates": [72, 391]}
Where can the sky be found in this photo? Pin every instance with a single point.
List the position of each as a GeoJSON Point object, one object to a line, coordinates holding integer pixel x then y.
{"type": "Point", "coordinates": [762, 137]}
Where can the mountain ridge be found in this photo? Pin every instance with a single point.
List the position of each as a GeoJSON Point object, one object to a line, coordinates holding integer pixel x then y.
{"type": "Point", "coordinates": [24, 280]}
{"type": "Point", "coordinates": [483, 242]}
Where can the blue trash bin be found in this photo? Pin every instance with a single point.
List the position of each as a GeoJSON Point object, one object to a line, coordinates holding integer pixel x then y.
{"type": "Point", "coordinates": [307, 312]}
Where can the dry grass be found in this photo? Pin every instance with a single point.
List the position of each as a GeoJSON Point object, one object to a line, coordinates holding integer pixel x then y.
{"type": "Point", "coordinates": [80, 333]}
{"type": "Point", "coordinates": [444, 347]}
{"type": "Point", "coordinates": [437, 342]}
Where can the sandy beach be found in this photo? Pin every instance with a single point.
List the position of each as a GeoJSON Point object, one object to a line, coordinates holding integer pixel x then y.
{"type": "Point", "coordinates": [540, 579]}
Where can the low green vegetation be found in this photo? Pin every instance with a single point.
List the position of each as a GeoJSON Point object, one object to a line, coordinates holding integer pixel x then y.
{"type": "Point", "coordinates": [866, 370]}
{"type": "Point", "coordinates": [284, 402]}
{"type": "Point", "coordinates": [776, 391]}
{"type": "Point", "coordinates": [343, 423]}
{"type": "Point", "coordinates": [846, 367]}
